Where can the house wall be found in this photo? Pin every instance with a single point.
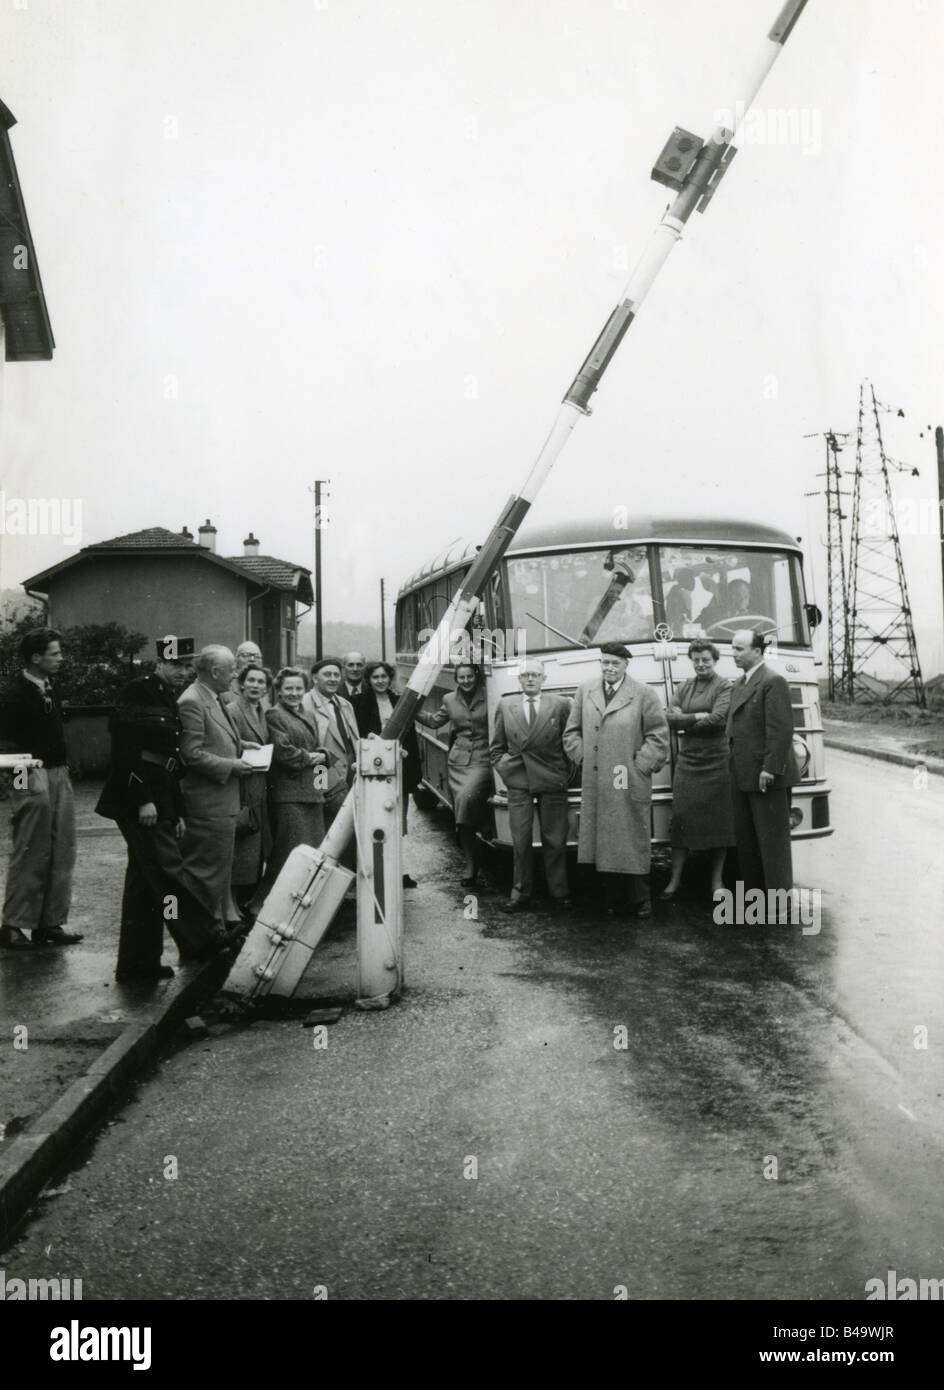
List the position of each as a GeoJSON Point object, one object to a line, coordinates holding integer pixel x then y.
{"type": "Point", "coordinates": [272, 627]}
{"type": "Point", "coordinates": [177, 594]}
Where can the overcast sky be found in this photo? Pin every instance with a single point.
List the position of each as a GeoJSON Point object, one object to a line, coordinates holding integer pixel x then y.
{"type": "Point", "coordinates": [372, 242]}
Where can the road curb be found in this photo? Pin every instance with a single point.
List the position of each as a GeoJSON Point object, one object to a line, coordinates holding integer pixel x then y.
{"type": "Point", "coordinates": [886, 755]}
{"type": "Point", "coordinates": [32, 1158]}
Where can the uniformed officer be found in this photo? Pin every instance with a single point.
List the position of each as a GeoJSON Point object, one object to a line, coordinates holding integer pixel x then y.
{"type": "Point", "coordinates": [143, 795]}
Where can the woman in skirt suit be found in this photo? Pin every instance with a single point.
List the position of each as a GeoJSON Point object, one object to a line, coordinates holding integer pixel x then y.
{"type": "Point", "coordinates": [469, 768]}
{"type": "Point", "coordinates": [702, 810]}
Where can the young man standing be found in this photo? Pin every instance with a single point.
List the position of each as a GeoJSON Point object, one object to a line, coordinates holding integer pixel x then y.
{"type": "Point", "coordinates": [39, 878]}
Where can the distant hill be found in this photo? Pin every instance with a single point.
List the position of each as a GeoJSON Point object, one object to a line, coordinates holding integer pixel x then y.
{"type": "Point", "coordinates": [343, 637]}
{"type": "Point", "coordinates": [14, 603]}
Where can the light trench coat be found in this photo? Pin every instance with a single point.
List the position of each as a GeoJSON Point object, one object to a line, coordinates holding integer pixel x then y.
{"type": "Point", "coordinates": [631, 733]}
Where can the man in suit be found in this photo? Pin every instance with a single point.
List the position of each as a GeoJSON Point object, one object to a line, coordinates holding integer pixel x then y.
{"type": "Point", "coordinates": [211, 751]}
{"type": "Point", "coordinates": [760, 737]}
{"type": "Point", "coordinates": [143, 796]}
{"type": "Point", "coordinates": [527, 752]}
{"type": "Point", "coordinates": [342, 735]}
{"type": "Point", "coordinates": [354, 687]}
{"type": "Point", "coordinates": [247, 654]}
{"type": "Point", "coordinates": [39, 878]}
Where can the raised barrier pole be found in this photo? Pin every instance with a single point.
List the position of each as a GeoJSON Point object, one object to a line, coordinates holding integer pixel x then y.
{"type": "Point", "coordinates": [693, 168]}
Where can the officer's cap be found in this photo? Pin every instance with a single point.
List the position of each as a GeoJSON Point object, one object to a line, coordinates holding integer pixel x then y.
{"type": "Point", "coordinates": [172, 648]}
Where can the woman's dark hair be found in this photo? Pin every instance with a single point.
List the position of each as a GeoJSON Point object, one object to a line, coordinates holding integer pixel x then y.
{"type": "Point", "coordinates": [288, 671]}
{"type": "Point", "coordinates": [373, 666]}
{"type": "Point", "coordinates": [701, 644]}
{"type": "Point", "coordinates": [253, 666]}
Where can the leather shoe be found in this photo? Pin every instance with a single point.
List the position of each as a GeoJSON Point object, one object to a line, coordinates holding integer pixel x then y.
{"type": "Point", "coordinates": [161, 972]}
{"type": "Point", "coordinates": [56, 936]}
{"type": "Point", "coordinates": [408, 882]}
{"type": "Point", "coordinates": [515, 905]}
{"type": "Point", "coordinates": [644, 910]}
{"type": "Point", "coordinates": [562, 904]}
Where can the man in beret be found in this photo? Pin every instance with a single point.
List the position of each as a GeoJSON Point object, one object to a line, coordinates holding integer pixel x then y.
{"type": "Point", "coordinates": [618, 732]}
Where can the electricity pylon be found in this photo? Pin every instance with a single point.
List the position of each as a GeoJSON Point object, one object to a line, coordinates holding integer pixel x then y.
{"type": "Point", "coordinates": [880, 630]}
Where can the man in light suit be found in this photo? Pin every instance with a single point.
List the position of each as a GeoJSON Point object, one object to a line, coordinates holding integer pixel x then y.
{"type": "Point", "coordinates": [760, 737]}
{"type": "Point", "coordinates": [527, 752]}
{"type": "Point", "coordinates": [342, 736]}
{"type": "Point", "coordinates": [210, 750]}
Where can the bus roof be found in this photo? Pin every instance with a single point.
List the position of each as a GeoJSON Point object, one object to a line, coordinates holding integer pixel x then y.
{"type": "Point", "coordinates": [600, 531]}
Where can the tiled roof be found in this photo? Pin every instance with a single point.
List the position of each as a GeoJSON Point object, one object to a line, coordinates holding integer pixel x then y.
{"type": "Point", "coordinates": [280, 574]}
{"type": "Point", "coordinates": [262, 570]}
{"type": "Point", "coordinates": [145, 540]}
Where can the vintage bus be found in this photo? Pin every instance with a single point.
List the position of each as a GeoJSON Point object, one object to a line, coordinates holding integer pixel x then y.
{"type": "Point", "coordinates": [653, 583]}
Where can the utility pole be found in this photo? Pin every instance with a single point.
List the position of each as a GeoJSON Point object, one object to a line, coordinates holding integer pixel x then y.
{"type": "Point", "coordinates": [837, 599]}
{"type": "Point", "coordinates": [320, 520]}
{"type": "Point", "coordinates": [383, 625]}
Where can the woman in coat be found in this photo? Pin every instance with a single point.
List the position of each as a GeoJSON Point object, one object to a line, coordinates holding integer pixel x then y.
{"type": "Point", "coordinates": [618, 732]}
{"type": "Point", "coordinates": [297, 777]}
{"type": "Point", "coordinates": [373, 710]}
{"type": "Point", "coordinates": [253, 834]}
{"type": "Point", "coordinates": [469, 768]}
{"type": "Point", "coordinates": [702, 809]}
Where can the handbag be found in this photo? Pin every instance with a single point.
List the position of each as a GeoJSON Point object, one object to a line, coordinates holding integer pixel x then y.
{"type": "Point", "coordinates": [248, 821]}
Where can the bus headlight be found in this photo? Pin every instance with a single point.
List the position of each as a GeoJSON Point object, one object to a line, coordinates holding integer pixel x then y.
{"type": "Point", "coordinates": [796, 816]}
{"type": "Point", "coordinates": [801, 753]}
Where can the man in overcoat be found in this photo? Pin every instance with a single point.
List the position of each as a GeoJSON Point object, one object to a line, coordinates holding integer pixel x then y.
{"type": "Point", "coordinates": [527, 752]}
{"type": "Point", "coordinates": [619, 733]}
{"type": "Point", "coordinates": [763, 769]}
{"type": "Point", "coordinates": [142, 794]}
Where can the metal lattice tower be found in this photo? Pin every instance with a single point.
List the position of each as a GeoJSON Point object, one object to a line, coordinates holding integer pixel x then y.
{"type": "Point", "coordinates": [880, 630]}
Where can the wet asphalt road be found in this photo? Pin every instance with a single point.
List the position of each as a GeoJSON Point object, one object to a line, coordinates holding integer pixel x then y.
{"type": "Point", "coordinates": [770, 1129]}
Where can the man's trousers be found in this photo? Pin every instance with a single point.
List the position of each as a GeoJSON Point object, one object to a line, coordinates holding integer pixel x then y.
{"type": "Point", "coordinates": [39, 878]}
{"type": "Point", "coordinates": [762, 833]}
{"type": "Point", "coordinates": [552, 813]}
{"type": "Point", "coordinates": [157, 895]}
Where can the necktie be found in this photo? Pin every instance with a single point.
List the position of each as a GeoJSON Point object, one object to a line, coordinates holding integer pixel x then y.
{"type": "Point", "coordinates": [342, 727]}
{"type": "Point", "coordinates": [529, 709]}
{"type": "Point", "coordinates": [608, 693]}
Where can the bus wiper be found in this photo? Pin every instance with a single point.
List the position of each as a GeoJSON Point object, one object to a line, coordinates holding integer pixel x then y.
{"type": "Point", "coordinates": [556, 631]}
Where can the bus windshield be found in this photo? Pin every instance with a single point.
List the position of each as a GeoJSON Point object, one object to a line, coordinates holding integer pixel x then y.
{"type": "Point", "coordinates": [585, 597]}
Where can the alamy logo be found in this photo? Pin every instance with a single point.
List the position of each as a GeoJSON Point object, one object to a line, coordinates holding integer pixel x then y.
{"type": "Point", "coordinates": [75, 1343]}
{"type": "Point", "coordinates": [38, 1290]}
{"type": "Point", "coordinates": [897, 1290]}
{"type": "Point", "coordinates": [42, 516]}
{"type": "Point", "coordinates": [778, 907]}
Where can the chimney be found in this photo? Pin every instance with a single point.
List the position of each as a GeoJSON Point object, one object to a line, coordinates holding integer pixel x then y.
{"type": "Point", "coordinates": [208, 536]}
{"type": "Point", "coordinates": [250, 545]}
{"type": "Point", "coordinates": [186, 533]}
